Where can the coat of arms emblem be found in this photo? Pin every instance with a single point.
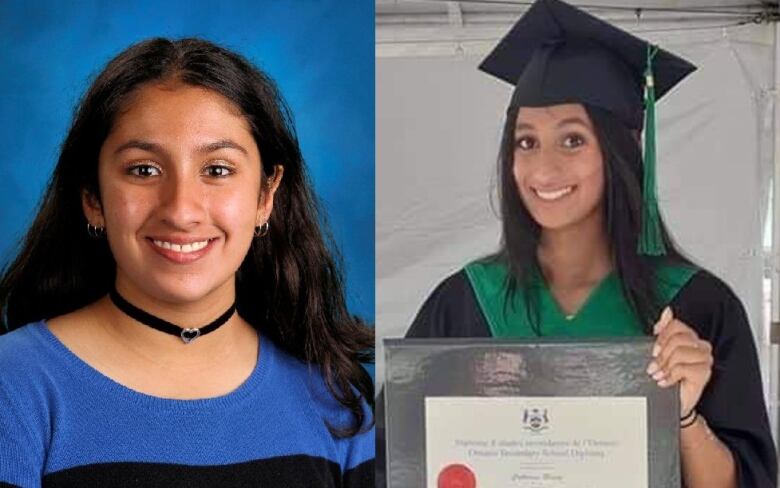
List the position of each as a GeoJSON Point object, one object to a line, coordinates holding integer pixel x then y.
{"type": "Point", "coordinates": [535, 419]}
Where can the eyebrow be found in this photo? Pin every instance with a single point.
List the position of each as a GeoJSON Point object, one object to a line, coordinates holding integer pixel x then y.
{"type": "Point", "coordinates": [222, 144]}
{"type": "Point", "coordinates": [569, 120]}
{"type": "Point", "coordinates": [158, 149]}
{"type": "Point", "coordinates": [573, 120]}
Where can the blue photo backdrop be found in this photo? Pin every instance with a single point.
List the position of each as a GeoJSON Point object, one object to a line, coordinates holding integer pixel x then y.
{"type": "Point", "coordinates": [321, 54]}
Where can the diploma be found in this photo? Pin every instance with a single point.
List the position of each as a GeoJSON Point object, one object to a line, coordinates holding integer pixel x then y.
{"type": "Point", "coordinates": [536, 442]}
{"type": "Point", "coordinates": [480, 413]}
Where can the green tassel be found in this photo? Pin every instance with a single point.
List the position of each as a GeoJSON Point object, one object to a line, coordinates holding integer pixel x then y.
{"type": "Point", "coordinates": [651, 241]}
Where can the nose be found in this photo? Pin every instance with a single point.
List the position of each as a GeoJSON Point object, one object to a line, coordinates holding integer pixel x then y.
{"type": "Point", "coordinates": [549, 169]}
{"type": "Point", "coordinates": [182, 202]}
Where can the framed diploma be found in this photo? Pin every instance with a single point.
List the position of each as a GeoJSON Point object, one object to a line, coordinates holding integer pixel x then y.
{"type": "Point", "coordinates": [469, 413]}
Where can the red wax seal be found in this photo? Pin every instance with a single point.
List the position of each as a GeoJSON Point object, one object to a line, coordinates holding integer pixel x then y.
{"type": "Point", "coordinates": [456, 476]}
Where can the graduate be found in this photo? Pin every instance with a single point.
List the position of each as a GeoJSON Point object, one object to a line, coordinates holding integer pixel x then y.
{"type": "Point", "coordinates": [584, 250]}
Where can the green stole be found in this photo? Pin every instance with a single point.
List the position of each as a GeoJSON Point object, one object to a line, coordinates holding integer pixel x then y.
{"type": "Point", "coordinates": [605, 313]}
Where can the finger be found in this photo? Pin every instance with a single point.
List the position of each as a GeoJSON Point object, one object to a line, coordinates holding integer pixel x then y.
{"type": "Point", "coordinates": [666, 317]}
{"type": "Point", "coordinates": [696, 374]}
{"type": "Point", "coordinates": [681, 354]}
{"type": "Point", "coordinates": [692, 346]}
{"type": "Point", "coordinates": [674, 327]}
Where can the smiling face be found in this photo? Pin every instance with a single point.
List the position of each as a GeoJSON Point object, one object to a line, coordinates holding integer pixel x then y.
{"type": "Point", "coordinates": [180, 187]}
{"type": "Point", "coordinates": [558, 166]}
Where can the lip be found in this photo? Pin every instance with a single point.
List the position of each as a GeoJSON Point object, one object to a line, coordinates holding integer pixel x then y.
{"type": "Point", "coordinates": [565, 191]}
{"type": "Point", "coordinates": [181, 257]}
{"type": "Point", "coordinates": [181, 240]}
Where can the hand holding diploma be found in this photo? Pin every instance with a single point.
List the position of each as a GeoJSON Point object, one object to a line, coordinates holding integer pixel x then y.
{"type": "Point", "coordinates": [679, 356]}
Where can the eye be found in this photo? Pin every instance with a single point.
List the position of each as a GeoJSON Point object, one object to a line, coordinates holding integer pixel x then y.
{"type": "Point", "coordinates": [526, 143]}
{"type": "Point", "coordinates": [144, 170]}
{"type": "Point", "coordinates": [218, 170]}
{"type": "Point", "coordinates": [573, 141]}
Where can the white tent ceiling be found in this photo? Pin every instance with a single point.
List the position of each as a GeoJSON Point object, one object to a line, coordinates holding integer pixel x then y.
{"type": "Point", "coordinates": [440, 27]}
{"type": "Point", "coordinates": [437, 11]}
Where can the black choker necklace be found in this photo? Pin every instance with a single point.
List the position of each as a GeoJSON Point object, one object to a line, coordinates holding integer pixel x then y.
{"type": "Point", "coordinates": [187, 335]}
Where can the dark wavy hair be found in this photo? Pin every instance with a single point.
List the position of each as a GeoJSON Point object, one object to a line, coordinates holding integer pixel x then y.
{"type": "Point", "coordinates": [289, 285]}
{"type": "Point", "coordinates": [623, 175]}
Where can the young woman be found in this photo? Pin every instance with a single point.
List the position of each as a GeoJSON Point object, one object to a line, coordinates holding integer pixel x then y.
{"type": "Point", "coordinates": [186, 324]}
{"type": "Point", "coordinates": [584, 252]}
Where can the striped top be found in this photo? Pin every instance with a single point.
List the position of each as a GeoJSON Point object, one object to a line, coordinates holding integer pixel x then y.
{"type": "Point", "coordinates": [63, 423]}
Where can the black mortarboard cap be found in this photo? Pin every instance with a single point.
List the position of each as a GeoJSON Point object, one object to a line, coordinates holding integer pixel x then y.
{"type": "Point", "coordinates": [557, 53]}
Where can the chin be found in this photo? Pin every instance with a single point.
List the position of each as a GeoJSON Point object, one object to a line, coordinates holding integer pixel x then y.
{"type": "Point", "coordinates": [553, 224]}
{"type": "Point", "coordinates": [561, 221]}
{"type": "Point", "coordinates": [181, 289]}
{"type": "Point", "coordinates": [554, 220]}
{"type": "Point", "coordinates": [183, 295]}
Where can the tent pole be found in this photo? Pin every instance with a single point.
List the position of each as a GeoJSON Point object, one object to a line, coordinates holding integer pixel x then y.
{"type": "Point", "coordinates": [774, 324]}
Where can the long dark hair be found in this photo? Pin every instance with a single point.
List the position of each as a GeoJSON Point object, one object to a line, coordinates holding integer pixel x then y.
{"type": "Point", "coordinates": [289, 285]}
{"type": "Point", "coordinates": [623, 175]}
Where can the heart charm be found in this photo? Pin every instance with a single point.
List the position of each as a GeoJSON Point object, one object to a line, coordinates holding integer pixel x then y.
{"type": "Point", "coordinates": [189, 335]}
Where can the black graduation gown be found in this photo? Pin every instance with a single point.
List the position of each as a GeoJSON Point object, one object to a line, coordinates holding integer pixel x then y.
{"type": "Point", "coordinates": [732, 403]}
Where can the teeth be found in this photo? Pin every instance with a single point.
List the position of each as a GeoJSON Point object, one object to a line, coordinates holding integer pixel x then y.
{"type": "Point", "coordinates": [554, 195]}
{"type": "Point", "coordinates": [183, 248]}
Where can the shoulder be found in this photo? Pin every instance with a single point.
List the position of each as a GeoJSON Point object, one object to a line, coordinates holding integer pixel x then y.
{"type": "Point", "coordinates": [451, 310]}
{"type": "Point", "coordinates": [27, 387]}
{"type": "Point", "coordinates": [705, 289]}
{"type": "Point", "coordinates": [316, 406]}
{"type": "Point", "coordinates": [311, 382]}
{"type": "Point", "coordinates": [31, 366]}
{"type": "Point", "coordinates": [22, 351]}
{"type": "Point", "coordinates": [454, 286]}
{"type": "Point", "coordinates": [710, 306]}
